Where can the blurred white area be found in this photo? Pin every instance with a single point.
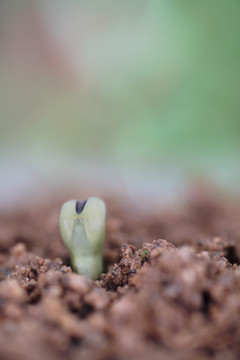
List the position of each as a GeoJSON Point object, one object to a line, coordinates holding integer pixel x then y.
{"type": "Point", "coordinates": [23, 185]}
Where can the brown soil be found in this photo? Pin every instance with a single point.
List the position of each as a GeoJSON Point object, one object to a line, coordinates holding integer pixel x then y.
{"type": "Point", "coordinates": [177, 298]}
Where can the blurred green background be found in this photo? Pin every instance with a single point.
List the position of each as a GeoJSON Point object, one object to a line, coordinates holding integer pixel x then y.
{"type": "Point", "coordinates": [139, 96]}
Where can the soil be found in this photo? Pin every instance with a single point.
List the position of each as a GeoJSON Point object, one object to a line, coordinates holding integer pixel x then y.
{"type": "Point", "coordinates": [177, 298]}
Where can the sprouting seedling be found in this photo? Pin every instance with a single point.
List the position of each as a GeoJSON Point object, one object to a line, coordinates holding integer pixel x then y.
{"type": "Point", "coordinates": [82, 227]}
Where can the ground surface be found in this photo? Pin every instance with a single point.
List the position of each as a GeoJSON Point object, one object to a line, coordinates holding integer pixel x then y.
{"type": "Point", "coordinates": [177, 298]}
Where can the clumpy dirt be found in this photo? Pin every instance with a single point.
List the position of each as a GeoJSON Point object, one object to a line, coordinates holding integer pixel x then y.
{"type": "Point", "coordinates": [177, 298]}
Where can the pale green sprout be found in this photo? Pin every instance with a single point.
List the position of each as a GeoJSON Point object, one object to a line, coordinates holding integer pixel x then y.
{"type": "Point", "coordinates": [82, 227]}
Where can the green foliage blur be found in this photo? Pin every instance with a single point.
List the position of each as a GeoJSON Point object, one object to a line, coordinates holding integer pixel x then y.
{"type": "Point", "coordinates": [137, 83]}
